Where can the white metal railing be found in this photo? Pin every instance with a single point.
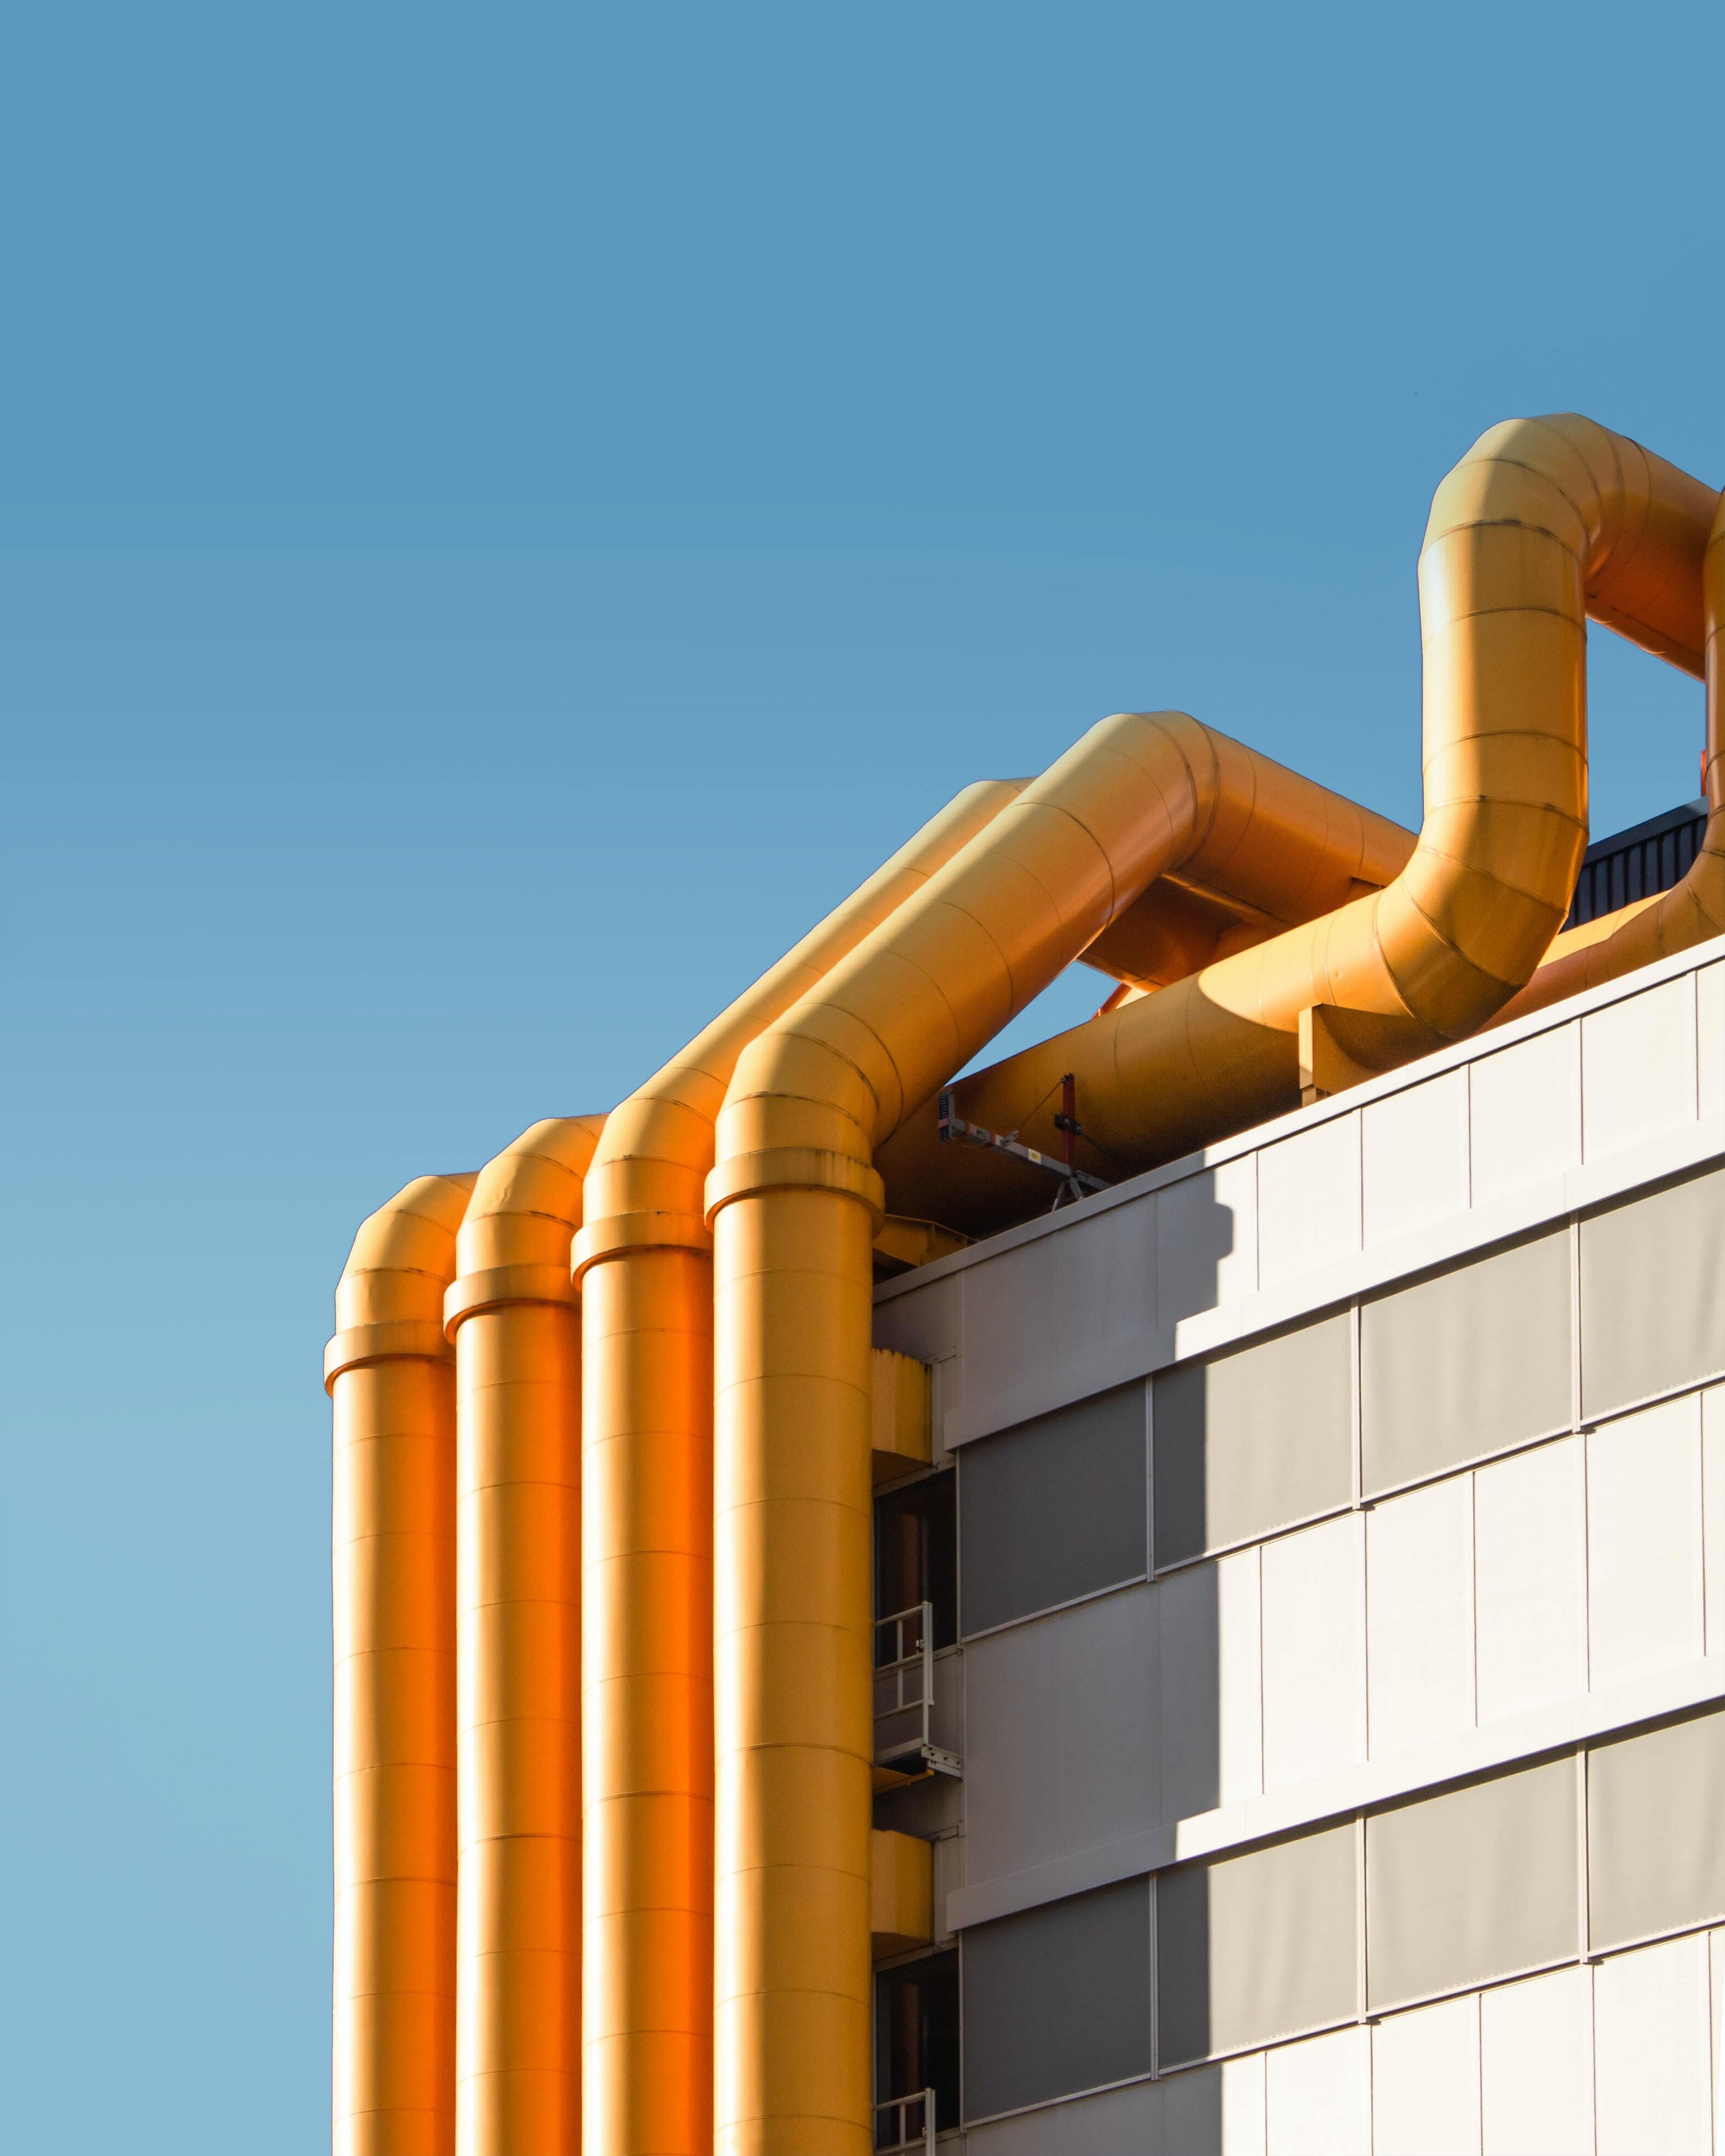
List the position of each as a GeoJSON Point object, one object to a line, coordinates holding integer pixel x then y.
{"type": "Point", "coordinates": [906, 2122]}
{"type": "Point", "coordinates": [904, 1690]}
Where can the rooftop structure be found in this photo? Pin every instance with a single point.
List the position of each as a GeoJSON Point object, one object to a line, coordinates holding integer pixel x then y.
{"type": "Point", "coordinates": [1159, 1596]}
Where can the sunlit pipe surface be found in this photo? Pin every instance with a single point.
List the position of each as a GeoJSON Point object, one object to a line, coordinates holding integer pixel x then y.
{"type": "Point", "coordinates": [1543, 522]}
{"type": "Point", "coordinates": [1694, 909]}
{"type": "Point", "coordinates": [390, 1373]}
{"type": "Point", "coordinates": [794, 1203]}
{"type": "Point", "coordinates": [644, 1265]}
{"type": "Point", "coordinates": [513, 1316]}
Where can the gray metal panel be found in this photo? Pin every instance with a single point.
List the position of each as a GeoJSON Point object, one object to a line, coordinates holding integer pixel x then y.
{"type": "Point", "coordinates": [1061, 1743]}
{"type": "Point", "coordinates": [1052, 1510]}
{"type": "Point", "coordinates": [1655, 1831]}
{"type": "Point", "coordinates": [1254, 1441]}
{"type": "Point", "coordinates": [1653, 1294]}
{"type": "Point", "coordinates": [1126, 2122]}
{"type": "Point", "coordinates": [1252, 1948]}
{"type": "Point", "coordinates": [1057, 2000]}
{"type": "Point", "coordinates": [1478, 1883]}
{"type": "Point", "coordinates": [1466, 1364]}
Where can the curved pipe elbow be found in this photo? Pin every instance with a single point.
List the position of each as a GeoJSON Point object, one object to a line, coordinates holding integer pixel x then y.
{"type": "Point", "coordinates": [389, 1299]}
{"type": "Point", "coordinates": [1694, 910]}
{"type": "Point", "coordinates": [645, 1186]}
{"type": "Point", "coordinates": [513, 1246]}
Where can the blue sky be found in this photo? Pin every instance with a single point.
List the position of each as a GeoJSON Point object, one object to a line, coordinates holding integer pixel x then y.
{"type": "Point", "coordinates": [506, 514]}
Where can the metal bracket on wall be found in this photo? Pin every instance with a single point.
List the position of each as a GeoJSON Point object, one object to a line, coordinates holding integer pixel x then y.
{"type": "Point", "coordinates": [1075, 1181]}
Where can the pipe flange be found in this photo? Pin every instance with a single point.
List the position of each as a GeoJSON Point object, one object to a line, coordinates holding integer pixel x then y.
{"type": "Point", "coordinates": [496, 1286]}
{"type": "Point", "coordinates": [797, 1167]}
{"type": "Point", "coordinates": [624, 1232]}
{"type": "Point", "coordinates": [389, 1340]}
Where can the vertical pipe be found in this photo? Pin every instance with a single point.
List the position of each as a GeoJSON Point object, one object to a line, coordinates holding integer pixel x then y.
{"type": "Point", "coordinates": [389, 1374]}
{"type": "Point", "coordinates": [792, 1645]}
{"type": "Point", "coordinates": [512, 1316]}
{"type": "Point", "coordinates": [645, 1266]}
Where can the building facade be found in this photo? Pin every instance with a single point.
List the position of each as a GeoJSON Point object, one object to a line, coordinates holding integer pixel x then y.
{"type": "Point", "coordinates": [1322, 1556]}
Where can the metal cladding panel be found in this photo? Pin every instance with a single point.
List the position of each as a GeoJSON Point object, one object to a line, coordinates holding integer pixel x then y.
{"type": "Point", "coordinates": [1250, 1948]}
{"type": "Point", "coordinates": [1314, 1652]}
{"type": "Point", "coordinates": [1465, 1364]}
{"type": "Point", "coordinates": [1652, 2051]}
{"type": "Point", "coordinates": [1053, 1510]}
{"type": "Point", "coordinates": [1652, 1308]}
{"type": "Point", "coordinates": [1414, 1157]}
{"type": "Point", "coordinates": [1060, 1752]}
{"type": "Point", "coordinates": [1254, 1441]}
{"type": "Point", "coordinates": [1530, 1570]}
{"type": "Point", "coordinates": [1536, 2065]}
{"type": "Point", "coordinates": [1419, 1632]}
{"type": "Point", "coordinates": [1425, 2082]}
{"type": "Point", "coordinates": [1638, 1067]}
{"type": "Point", "coordinates": [1317, 2095]}
{"type": "Point", "coordinates": [1644, 1531]}
{"type": "Point", "coordinates": [1106, 2125]}
{"type": "Point", "coordinates": [1476, 1884]}
{"type": "Point", "coordinates": [1524, 1113]}
{"type": "Point", "coordinates": [1057, 2000]}
{"type": "Point", "coordinates": [1655, 1832]}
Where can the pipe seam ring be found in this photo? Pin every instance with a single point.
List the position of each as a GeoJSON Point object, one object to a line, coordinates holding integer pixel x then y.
{"type": "Point", "coordinates": [389, 1340]}
{"type": "Point", "coordinates": [797, 1167]}
{"type": "Point", "coordinates": [623, 1233]}
{"type": "Point", "coordinates": [495, 1286]}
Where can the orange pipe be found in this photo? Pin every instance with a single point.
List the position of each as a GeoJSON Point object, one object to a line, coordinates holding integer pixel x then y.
{"type": "Point", "coordinates": [1542, 523]}
{"type": "Point", "coordinates": [390, 1373]}
{"type": "Point", "coordinates": [1694, 910]}
{"type": "Point", "coordinates": [512, 1316]}
{"type": "Point", "coordinates": [794, 1203]}
{"type": "Point", "coordinates": [646, 1270]}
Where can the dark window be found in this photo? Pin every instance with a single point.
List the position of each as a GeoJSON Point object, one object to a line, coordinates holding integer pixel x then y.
{"type": "Point", "coordinates": [917, 2036]}
{"type": "Point", "coordinates": [917, 1553]}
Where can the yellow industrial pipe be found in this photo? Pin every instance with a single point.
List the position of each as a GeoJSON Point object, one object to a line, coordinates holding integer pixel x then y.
{"type": "Point", "coordinates": [794, 1204]}
{"type": "Point", "coordinates": [1694, 910]}
{"type": "Point", "coordinates": [644, 1266]}
{"type": "Point", "coordinates": [390, 1373]}
{"type": "Point", "coordinates": [512, 1314]}
{"type": "Point", "coordinates": [1543, 522]}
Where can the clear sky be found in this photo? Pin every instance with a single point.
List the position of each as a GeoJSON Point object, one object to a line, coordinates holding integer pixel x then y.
{"type": "Point", "coordinates": [506, 514]}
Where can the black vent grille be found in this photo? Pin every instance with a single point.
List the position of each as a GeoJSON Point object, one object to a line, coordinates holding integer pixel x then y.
{"type": "Point", "coordinates": [1637, 863]}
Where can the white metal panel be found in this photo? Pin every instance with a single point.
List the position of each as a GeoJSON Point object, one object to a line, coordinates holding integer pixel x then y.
{"type": "Point", "coordinates": [1644, 1506]}
{"type": "Point", "coordinates": [1059, 1300]}
{"type": "Point", "coordinates": [1414, 1157]}
{"type": "Point", "coordinates": [1651, 2050]}
{"type": "Point", "coordinates": [1716, 2019]}
{"type": "Point", "coordinates": [1536, 2067]}
{"type": "Point", "coordinates": [1308, 1201]}
{"type": "Point", "coordinates": [1061, 1734]}
{"type": "Point", "coordinates": [1638, 1068]}
{"type": "Point", "coordinates": [1207, 1239]}
{"type": "Point", "coordinates": [1188, 1640]}
{"type": "Point", "coordinates": [1525, 1122]}
{"type": "Point", "coordinates": [1314, 1652]}
{"type": "Point", "coordinates": [1124, 2122]}
{"type": "Point", "coordinates": [1426, 2080]}
{"type": "Point", "coordinates": [1420, 1650]}
{"type": "Point", "coordinates": [1239, 1687]}
{"type": "Point", "coordinates": [1243, 2121]}
{"type": "Point", "coordinates": [1318, 2097]}
{"type": "Point", "coordinates": [1712, 1451]}
{"type": "Point", "coordinates": [924, 1322]}
{"type": "Point", "coordinates": [1710, 1042]}
{"type": "Point", "coordinates": [1531, 1578]}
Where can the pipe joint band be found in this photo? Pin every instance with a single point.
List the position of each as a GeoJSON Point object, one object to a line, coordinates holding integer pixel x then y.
{"type": "Point", "coordinates": [797, 1167]}
{"type": "Point", "coordinates": [623, 1232]}
{"type": "Point", "coordinates": [390, 1340]}
{"type": "Point", "coordinates": [495, 1286]}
